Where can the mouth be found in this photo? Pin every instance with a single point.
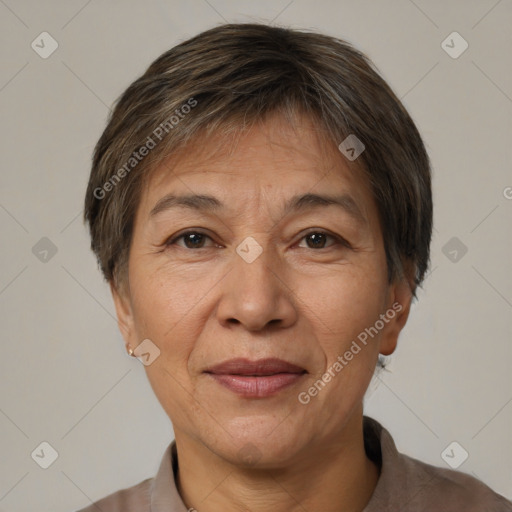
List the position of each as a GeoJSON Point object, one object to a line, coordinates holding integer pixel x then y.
{"type": "Point", "coordinates": [256, 379]}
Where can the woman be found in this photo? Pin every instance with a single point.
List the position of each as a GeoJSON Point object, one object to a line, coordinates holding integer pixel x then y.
{"type": "Point", "coordinates": [260, 203]}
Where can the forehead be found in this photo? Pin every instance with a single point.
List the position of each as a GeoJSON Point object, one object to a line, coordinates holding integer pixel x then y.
{"type": "Point", "coordinates": [273, 159]}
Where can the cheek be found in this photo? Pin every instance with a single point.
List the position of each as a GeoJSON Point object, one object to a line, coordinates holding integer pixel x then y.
{"type": "Point", "coordinates": [163, 298]}
{"type": "Point", "coordinates": [171, 308]}
{"type": "Point", "coordinates": [343, 308]}
{"type": "Point", "coordinates": [343, 313]}
{"type": "Point", "coordinates": [344, 304]}
{"type": "Point", "coordinates": [163, 313]}
{"type": "Point", "coordinates": [167, 314]}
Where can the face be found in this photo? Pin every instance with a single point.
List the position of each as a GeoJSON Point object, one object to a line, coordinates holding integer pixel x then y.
{"type": "Point", "coordinates": [257, 269]}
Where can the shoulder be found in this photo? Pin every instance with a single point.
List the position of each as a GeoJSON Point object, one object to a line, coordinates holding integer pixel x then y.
{"type": "Point", "coordinates": [131, 499]}
{"type": "Point", "coordinates": [448, 490]}
{"type": "Point", "coordinates": [406, 483]}
{"type": "Point", "coordinates": [158, 491]}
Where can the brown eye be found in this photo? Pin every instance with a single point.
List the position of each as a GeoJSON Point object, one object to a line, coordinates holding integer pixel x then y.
{"type": "Point", "coordinates": [191, 240]}
{"type": "Point", "coordinates": [319, 240]}
{"type": "Point", "coordinates": [316, 240]}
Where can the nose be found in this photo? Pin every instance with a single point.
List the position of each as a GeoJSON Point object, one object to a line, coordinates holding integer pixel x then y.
{"type": "Point", "coordinates": [256, 295]}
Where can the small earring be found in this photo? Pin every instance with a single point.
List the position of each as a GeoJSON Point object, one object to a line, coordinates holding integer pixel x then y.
{"type": "Point", "coordinates": [130, 351]}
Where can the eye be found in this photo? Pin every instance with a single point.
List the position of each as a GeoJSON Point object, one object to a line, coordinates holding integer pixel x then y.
{"type": "Point", "coordinates": [318, 239]}
{"type": "Point", "coordinates": [197, 240]}
{"type": "Point", "coordinates": [191, 240]}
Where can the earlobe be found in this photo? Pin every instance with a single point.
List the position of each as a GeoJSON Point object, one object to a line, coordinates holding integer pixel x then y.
{"type": "Point", "coordinates": [399, 306]}
{"type": "Point", "coordinates": [124, 314]}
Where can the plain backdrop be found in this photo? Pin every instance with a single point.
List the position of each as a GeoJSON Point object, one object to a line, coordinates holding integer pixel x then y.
{"type": "Point", "coordinates": [65, 377]}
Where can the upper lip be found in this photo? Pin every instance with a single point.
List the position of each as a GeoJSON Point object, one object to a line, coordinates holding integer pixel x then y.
{"type": "Point", "coordinates": [260, 367]}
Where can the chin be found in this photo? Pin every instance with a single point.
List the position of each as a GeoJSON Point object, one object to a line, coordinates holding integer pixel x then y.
{"type": "Point", "coordinates": [260, 442]}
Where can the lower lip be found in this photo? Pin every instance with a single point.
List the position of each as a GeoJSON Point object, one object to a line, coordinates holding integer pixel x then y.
{"type": "Point", "coordinates": [257, 387]}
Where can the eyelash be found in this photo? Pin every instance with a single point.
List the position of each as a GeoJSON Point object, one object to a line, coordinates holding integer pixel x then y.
{"type": "Point", "coordinates": [337, 239]}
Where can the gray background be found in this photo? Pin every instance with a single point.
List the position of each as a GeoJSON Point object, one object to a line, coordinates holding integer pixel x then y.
{"type": "Point", "coordinates": [66, 378]}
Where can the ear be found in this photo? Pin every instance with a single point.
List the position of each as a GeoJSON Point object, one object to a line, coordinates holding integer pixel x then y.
{"type": "Point", "coordinates": [398, 308]}
{"type": "Point", "coordinates": [125, 320]}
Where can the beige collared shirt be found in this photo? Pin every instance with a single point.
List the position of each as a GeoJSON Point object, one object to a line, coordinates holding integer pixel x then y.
{"type": "Point", "coordinates": [405, 485]}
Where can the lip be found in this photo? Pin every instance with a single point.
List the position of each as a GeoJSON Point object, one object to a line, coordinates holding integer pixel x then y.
{"type": "Point", "coordinates": [256, 379]}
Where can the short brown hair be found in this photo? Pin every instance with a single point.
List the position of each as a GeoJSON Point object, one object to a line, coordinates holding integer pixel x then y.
{"type": "Point", "coordinates": [231, 76]}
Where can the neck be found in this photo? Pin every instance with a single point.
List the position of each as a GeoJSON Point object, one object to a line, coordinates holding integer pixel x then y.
{"type": "Point", "coordinates": [337, 476]}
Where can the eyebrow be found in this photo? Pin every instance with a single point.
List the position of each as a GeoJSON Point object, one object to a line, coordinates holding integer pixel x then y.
{"type": "Point", "coordinates": [301, 202]}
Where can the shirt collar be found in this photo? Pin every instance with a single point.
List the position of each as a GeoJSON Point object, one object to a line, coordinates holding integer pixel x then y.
{"type": "Point", "coordinates": [164, 493]}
